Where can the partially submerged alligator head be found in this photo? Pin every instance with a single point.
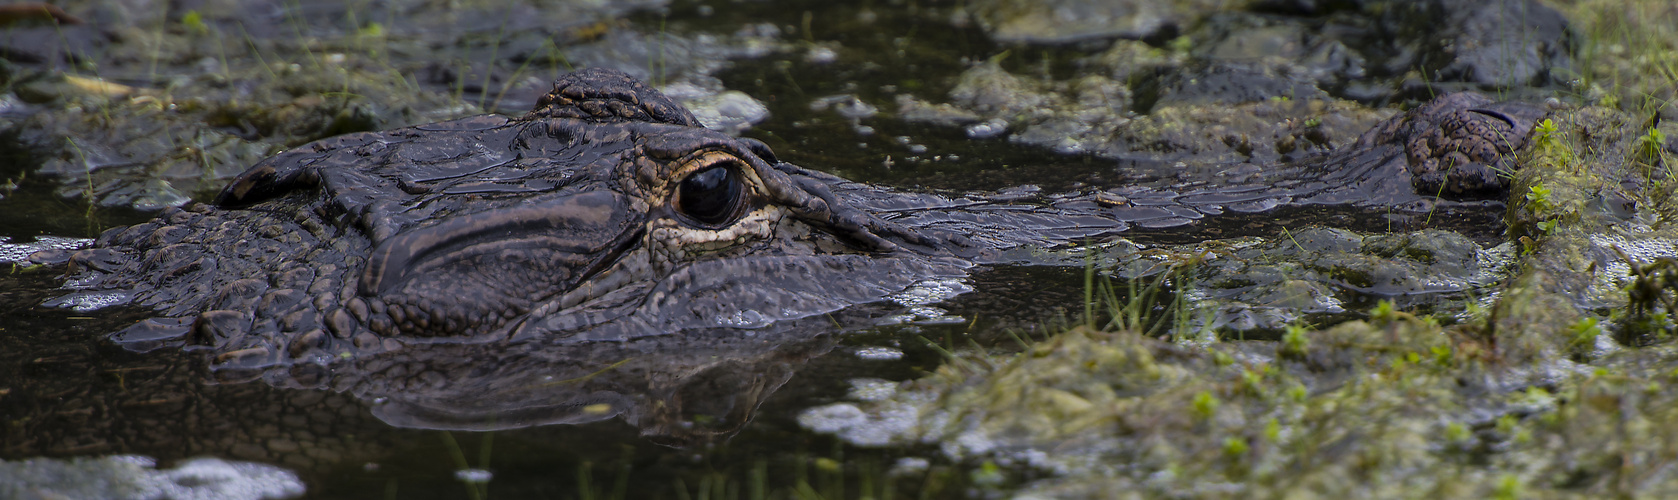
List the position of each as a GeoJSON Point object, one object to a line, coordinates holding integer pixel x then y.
{"type": "Point", "coordinates": [609, 214]}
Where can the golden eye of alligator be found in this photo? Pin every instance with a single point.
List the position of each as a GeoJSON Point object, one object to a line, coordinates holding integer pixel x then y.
{"type": "Point", "coordinates": [713, 193]}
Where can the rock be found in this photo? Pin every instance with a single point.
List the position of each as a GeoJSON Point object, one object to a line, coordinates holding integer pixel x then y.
{"type": "Point", "coordinates": [1504, 44]}
{"type": "Point", "coordinates": [1060, 21]}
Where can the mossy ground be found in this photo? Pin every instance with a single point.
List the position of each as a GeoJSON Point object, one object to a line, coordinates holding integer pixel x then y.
{"type": "Point", "coordinates": [1392, 406]}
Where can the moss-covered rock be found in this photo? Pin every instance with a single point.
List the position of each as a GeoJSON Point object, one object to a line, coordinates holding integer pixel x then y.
{"type": "Point", "coordinates": [1551, 381]}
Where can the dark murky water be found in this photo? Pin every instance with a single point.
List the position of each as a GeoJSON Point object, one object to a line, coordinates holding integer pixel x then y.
{"type": "Point", "coordinates": [56, 365]}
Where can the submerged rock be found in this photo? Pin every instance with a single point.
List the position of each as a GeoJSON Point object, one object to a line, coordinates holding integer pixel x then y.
{"type": "Point", "coordinates": [1493, 44]}
{"type": "Point", "coordinates": [1226, 89]}
{"type": "Point", "coordinates": [1224, 118]}
{"type": "Point", "coordinates": [1061, 21]}
{"type": "Point", "coordinates": [155, 148]}
{"type": "Point", "coordinates": [1267, 286]}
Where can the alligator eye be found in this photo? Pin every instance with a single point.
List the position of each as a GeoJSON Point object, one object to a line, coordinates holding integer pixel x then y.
{"type": "Point", "coordinates": [712, 196]}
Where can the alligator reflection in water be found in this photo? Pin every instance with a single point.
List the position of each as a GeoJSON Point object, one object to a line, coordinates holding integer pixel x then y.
{"type": "Point", "coordinates": [679, 390]}
{"type": "Point", "coordinates": [491, 272]}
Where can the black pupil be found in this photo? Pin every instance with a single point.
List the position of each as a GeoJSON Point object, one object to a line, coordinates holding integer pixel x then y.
{"type": "Point", "coordinates": [711, 196]}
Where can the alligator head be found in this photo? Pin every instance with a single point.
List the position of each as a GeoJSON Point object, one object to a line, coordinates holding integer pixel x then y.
{"type": "Point", "coordinates": [607, 213]}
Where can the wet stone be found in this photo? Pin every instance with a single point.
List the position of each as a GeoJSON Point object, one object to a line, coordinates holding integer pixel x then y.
{"type": "Point", "coordinates": [1227, 84]}
{"type": "Point", "coordinates": [1060, 21]}
{"type": "Point", "coordinates": [1506, 44]}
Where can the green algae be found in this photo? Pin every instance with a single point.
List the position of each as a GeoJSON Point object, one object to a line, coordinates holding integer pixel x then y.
{"type": "Point", "coordinates": [1098, 113]}
{"type": "Point", "coordinates": [167, 138]}
{"type": "Point", "coordinates": [1395, 406]}
{"type": "Point", "coordinates": [1558, 387]}
{"type": "Point", "coordinates": [170, 103]}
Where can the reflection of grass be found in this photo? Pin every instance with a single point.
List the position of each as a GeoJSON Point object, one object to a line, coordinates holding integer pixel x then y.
{"type": "Point", "coordinates": [813, 478]}
{"type": "Point", "coordinates": [585, 378]}
{"type": "Point", "coordinates": [1629, 52]}
{"type": "Point", "coordinates": [87, 190]}
{"type": "Point", "coordinates": [586, 488]}
{"type": "Point", "coordinates": [724, 475]}
{"type": "Point", "coordinates": [550, 52]}
{"type": "Point", "coordinates": [103, 100]}
{"type": "Point", "coordinates": [292, 8]}
{"type": "Point", "coordinates": [489, 70]}
{"type": "Point", "coordinates": [803, 477]}
{"type": "Point", "coordinates": [1154, 303]}
{"type": "Point", "coordinates": [476, 490]}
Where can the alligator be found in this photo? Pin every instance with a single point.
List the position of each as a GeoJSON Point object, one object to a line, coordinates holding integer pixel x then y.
{"type": "Point", "coordinates": [608, 213]}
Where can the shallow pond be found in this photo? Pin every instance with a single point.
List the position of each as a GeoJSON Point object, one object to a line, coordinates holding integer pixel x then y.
{"type": "Point", "coordinates": [66, 391]}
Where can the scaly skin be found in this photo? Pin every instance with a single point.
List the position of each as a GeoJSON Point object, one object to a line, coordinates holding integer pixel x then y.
{"type": "Point", "coordinates": [565, 223]}
{"type": "Point", "coordinates": [1467, 148]}
{"type": "Point", "coordinates": [600, 216]}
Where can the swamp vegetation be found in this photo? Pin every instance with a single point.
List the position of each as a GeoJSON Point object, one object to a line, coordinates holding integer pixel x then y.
{"type": "Point", "coordinates": [1515, 349]}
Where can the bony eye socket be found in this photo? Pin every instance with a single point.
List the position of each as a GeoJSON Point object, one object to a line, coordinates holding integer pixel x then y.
{"type": "Point", "coordinates": [712, 196]}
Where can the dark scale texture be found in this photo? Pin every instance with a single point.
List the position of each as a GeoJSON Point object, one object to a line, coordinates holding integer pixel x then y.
{"type": "Point", "coordinates": [474, 229]}
{"type": "Point", "coordinates": [1470, 149]}
{"type": "Point", "coordinates": [563, 226]}
{"type": "Point", "coordinates": [601, 94]}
